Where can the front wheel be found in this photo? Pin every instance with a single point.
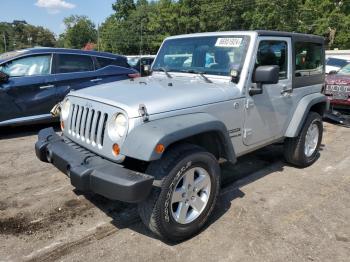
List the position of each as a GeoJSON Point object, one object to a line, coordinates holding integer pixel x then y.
{"type": "Point", "coordinates": [189, 185]}
{"type": "Point", "coordinates": [303, 150]}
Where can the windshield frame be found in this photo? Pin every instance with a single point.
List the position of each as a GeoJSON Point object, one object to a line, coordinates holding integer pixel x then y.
{"type": "Point", "coordinates": [244, 48]}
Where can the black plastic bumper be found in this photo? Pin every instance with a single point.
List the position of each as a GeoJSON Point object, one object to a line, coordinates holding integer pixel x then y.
{"type": "Point", "coordinates": [89, 172]}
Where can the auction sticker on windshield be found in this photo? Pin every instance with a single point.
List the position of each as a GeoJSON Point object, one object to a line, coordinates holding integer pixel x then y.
{"type": "Point", "coordinates": [228, 42]}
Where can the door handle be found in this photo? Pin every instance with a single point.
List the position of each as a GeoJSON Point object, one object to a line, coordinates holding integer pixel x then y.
{"type": "Point", "coordinates": [47, 87]}
{"type": "Point", "coordinates": [95, 80]}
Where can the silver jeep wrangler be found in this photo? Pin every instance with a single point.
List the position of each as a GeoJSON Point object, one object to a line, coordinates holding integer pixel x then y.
{"type": "Point", "coordinates": [157, 140]}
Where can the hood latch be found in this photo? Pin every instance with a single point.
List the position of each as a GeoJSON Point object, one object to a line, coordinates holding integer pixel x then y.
{"type": "Point", "coordinates": [143, 112]}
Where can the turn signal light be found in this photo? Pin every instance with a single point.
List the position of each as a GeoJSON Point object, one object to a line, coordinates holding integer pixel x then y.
{"type": "Point", "coordinates": [160, 148]}
{"type": "Point", "coordinates": [62, 125]}
{"type": "Point", "coordinates": [116, 149]}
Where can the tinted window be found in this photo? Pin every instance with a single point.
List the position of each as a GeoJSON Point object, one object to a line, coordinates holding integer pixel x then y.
{"type": "Point", "coordinates": [103, 62]}
{"type": "Point", "coordinates": [121, 61]}
{"type": "Point", "coordinates": [308, 59]}
{"type": "Point", "coordinates": [74, 63]}
{"type": "Point", "coordinates": [28, 66]}
{"type": "Point", "coordinates": [273, 53]}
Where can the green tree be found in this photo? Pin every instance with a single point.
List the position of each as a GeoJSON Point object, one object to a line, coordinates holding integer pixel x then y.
{"type": "Point", "coordinates": [143, 25]}
{"type": "Point", "coordinates": [80, 30]}
{"type": "Point", "coordinates": [19, 35]}
{"type": "Point", "coordinates": [328, 18]}
{"type": "Point", "coordinates": [123, 8]}
{"type": "Point", "coordinates": [272, 15]}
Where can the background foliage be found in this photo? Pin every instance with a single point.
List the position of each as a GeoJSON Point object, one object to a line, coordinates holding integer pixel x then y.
{"type": "Point", "coordinates": [140, 26]}
{"type": "Point", "coordinates": [19, 35]}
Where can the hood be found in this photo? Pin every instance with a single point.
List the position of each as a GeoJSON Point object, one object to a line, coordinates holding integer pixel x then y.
{"type": "Point", "coordinates": [159, 94]}
{"type": "Point", "coordinates": [338, 79]}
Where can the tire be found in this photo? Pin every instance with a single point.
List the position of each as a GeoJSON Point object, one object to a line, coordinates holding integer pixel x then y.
{"type": "Point", "coordinates": [159, 213]}
{"type": "Point", "coordinates": [295, 151]}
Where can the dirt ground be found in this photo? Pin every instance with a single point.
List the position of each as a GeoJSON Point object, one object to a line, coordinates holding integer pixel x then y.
{"type": "Point", "coordinates": [267, 211]}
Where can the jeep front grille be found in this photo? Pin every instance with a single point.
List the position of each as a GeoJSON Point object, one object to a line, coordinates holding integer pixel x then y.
{"type": "Point", "coordinates": [87, 124]}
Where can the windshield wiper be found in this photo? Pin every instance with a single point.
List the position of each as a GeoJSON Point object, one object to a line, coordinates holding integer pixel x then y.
{"type": "Point", "coordinates": [162, 69]}
{"type": "Point", "coordinates": [192, 71]}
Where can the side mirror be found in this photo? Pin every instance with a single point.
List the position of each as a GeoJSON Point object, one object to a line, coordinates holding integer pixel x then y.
{"type": "Point", "coordinates": [4, 78]}
{"type": "Point", "coordinates": [264, 75]}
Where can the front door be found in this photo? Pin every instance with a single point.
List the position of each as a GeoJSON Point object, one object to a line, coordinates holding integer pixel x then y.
{"type": "Point", "coordinates": [73, 72]}
{"type": "Point", "coordinates": [29, 91]}
{"type": "Point", "coordinates": [267, 114]}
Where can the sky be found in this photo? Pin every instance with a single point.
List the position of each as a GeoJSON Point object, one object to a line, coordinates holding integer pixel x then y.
{"type": "Point", "coordinates": [50, 13]}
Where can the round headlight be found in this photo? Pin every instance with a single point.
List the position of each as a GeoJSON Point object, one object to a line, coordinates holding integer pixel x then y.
{"type": "Point", "coordinates": [65, 110]}
{"type": "Point", "coordinates": [118, 126]}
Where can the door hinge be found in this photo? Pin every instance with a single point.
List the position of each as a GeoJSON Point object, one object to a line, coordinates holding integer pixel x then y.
{"type": "Point", "coordinates": [247, 132]}
{"type": "Point", "coordinates": [249, 103]}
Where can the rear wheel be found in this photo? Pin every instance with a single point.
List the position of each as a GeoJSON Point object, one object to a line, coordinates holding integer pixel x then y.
{"type": "Point", "coordinates": [303, 150]}
{"type": "Point", "coordinates": [189, 183]}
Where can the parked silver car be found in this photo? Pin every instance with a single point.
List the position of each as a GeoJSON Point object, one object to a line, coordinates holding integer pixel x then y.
{"type": "Point", "coordinates": [157, 140]}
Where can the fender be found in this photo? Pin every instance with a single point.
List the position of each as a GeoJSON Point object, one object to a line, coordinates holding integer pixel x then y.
{"type": "Point", "coordinates": [301, 112]}
{"type": "Point", "coordinates": [142, 140]}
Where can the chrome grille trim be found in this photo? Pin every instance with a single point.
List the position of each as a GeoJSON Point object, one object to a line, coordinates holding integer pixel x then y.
{"type": "Point", "coordinates": [88, 125]}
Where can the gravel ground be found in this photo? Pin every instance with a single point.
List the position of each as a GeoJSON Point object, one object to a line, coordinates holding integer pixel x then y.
{"type": "Point", "coordinates": [267, 211]}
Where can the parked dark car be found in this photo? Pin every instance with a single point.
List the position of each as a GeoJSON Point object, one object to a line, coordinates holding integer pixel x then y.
{"type": "Point", "coordinates": [32, 81]}
{"type": "Point", "coordinates": [338, 88]}
{"type": "Point", "coordinates": [138, 63]}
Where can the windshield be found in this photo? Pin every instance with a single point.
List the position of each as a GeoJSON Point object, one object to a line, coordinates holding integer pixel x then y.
{"type": "Point", "coordinates": [344, 70]}
{"type": "Point", "coordinates": [12, 54]}
{"type": "Point", "coordinates": [132, 61]}
{"type": "Point", "coordinates": [336, 62]}
{"type": "Point", "coordinates": [215, 55]}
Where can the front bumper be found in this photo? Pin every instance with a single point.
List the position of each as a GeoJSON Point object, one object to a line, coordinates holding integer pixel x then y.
{"type": "Point", "coordinates": [338, 102]}
{"type": "Point", "coordinates": [90, 172]}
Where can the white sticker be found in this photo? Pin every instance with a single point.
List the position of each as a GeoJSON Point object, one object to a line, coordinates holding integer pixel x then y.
{"type": "Point", "coordinates": [228, 42]}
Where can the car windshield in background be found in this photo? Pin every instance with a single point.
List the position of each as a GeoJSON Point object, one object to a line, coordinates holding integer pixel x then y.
{"type": "Point", "coordinates": [345, 70]}
{"type": "Point", "coordinates": [13, 54]}
{"type": "Point", "coordinates": [132, 61]}
{"type": "Point", "coordinates": [336, 62]}
{"type": "Point", "coordinates": [215, 55]}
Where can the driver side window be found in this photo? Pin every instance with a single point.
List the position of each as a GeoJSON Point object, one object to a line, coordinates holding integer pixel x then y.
{"type": "Point", "coordinates": [272, 52]}
{"type": "Point", "coordinates": [28, 66]}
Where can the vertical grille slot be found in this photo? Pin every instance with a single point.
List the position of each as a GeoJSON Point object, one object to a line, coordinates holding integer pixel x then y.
{"type": "Point", "coordinates": [74, 119]}
{"type": "Point", "coordinates": [104, 128]}
{"type": "Point", "coordinates": [71, 118]}
{"type": "Point", "coordinates": [101, 124]}
{"type": "Point", "coordinates": [93, 127]}
{"type": "Point", "coordinates": [83, 122]}
{"type": "Point", "coordinates": [78, 120]}
{"type": "Point", "coordinates": [88, 125]}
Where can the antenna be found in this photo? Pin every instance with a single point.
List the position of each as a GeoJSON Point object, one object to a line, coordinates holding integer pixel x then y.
{"type": "Point", "coordinates": [5, 45]}
{"type": "Point", "coordinates": [140, 47]}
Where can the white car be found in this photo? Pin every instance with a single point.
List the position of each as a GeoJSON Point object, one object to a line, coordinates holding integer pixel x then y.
{"type": "Point", "coordinates": [334, 64]}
